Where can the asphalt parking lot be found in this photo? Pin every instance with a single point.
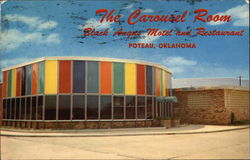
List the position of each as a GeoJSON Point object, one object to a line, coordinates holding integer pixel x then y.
{"type": "Point", "coordinates": [229, 145]}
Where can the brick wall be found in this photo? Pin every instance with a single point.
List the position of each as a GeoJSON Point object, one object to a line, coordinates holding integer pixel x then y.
{"type": "Point", "coordinates": [211, 106]}
{"type": "Point", "coordinates": [237, 101]}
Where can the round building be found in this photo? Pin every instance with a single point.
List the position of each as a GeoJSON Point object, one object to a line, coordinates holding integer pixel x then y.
{"type": "Point", "coordinates": [85, 92]}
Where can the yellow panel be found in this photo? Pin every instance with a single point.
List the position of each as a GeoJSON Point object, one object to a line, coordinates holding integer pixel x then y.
{"type": "Point", "coordinates": [13, 83]}
{"type": "Point", "coordinates": [163, 83]}
{"type": "Point", "coordinates": [166, 83]}
{"type": "Point", "coordinates": [130, 78]}
{"type": "Point", "coordinates": [51, 76]}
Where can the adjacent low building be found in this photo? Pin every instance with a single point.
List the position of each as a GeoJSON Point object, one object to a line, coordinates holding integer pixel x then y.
{"type": "Point", "coordinates": [212, 105]}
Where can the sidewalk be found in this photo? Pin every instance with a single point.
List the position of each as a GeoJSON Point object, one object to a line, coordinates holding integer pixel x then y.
{"type": "Point", "coordinates": [183, 129]}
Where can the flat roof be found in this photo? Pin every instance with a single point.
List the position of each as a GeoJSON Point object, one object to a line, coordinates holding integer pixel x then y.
{"type": "Point", "coordinates": [88, 59]}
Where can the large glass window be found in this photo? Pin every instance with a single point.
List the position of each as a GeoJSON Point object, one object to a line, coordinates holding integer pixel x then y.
{"type": "Point", "coordinates": [149, 108]}
{"type": "Point", "coordinates": [118, 107]}
{"type": "Point", "coordinates": [18, 108]}
{"type": "Point", "coordinates": [130, 107]}
{"type": "Point", "coordinates": [40, 108]}
{"type": "Point", "coordinates": [33, 108]}
{"type": "Point", "coordinates": [78, 107]}
{"type": "Point", "coordinates": [64, 107]}
{"type": "Point", "coordinates": [28, 108]}
{"type": "Point", "coordinates": [13, 108]}
{"type": "Point", "coordinates": [93, 77]}
{"type": "Point", "coordinates": [149, 80]}
{"type": "Point", "coordinates": [92, 107]}
{"type": "Point", "coordinates": [79, 77]}
{"type": "Point", "coordinates": [8, 108]}
{"type": "Point", "coordinates": [4, 109]}
{"type": "Point", "coordinates": [50, 107]}
{"type": "Point", "coordinates": [140, 107]}
{"type": "Point", "coordinates": [23, 108]}
{"type": "Point", "coordinates": [106, 105]}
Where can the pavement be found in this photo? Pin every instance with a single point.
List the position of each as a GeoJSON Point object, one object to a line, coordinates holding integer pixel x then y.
{"type": "Point", "coordinates": [183, 129]}
{"type": "Point", "coordinates": [227, 142]}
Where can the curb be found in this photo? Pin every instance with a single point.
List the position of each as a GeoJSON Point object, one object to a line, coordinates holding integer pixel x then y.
{"type": "Point", "coordinates": [132, 134]}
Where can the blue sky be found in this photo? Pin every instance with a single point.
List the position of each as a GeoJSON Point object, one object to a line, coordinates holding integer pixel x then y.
{"type": "Point", "coordinates": [33, 29]}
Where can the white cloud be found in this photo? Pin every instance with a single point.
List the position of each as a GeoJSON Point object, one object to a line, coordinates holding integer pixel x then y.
{"type": "Point", "coordinates": [128, 6]}
{"type": "Point", "coordinates": [47, 25]}
{"type": "Point", "coordinates": [178, 61]}
{"type": "Point", "coordinates": [239, 16]}
{"type": "Point", "coordinates": [147, 10]}
{"type": "Point", "coordinates": [13, 38]}
{"type": "Point", "coordinates": [148, 39]}
{"type": "Point", "coordinates": [94, 23]}
{"type": "Point", "coordinates": [14, 61]}
{"type": "Point", "coordinates": [32, 22]}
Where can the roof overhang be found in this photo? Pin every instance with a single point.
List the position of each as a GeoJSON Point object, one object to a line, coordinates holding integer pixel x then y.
{"type": "Point", "coordinates": [170, 99]}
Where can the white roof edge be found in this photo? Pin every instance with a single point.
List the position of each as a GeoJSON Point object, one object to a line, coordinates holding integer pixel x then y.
{"type": "Point", "coordinates": [209, 78]}
{"type": "Point", "coordinates": [88, 59]}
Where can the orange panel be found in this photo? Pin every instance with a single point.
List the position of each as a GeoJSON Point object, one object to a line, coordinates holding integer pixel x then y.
{"type": "Point", "coordinates": [34, 78]}
{"type": "Point", "coordinates": [18, 81]}
{"type": "Point", "coordinates": [158, 81]}
{"type": "Point", "coordinates": [106, 77]}
{"type": "Point", "coordinates": [5, 81]}
{"type": "Point", "coordinates": [65, 76]}
{"type": "Point", "coordinates": [140, 79]}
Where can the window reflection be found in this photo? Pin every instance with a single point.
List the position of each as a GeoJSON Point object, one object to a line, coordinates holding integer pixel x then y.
{"type": "Point", "coordinates": [118, 107]}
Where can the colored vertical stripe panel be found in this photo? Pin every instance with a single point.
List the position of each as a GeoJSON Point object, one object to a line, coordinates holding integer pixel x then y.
{"type": "Point", "coordinates": [130, 78]}
{"type": "Point", "coordinates": [106, 77]}
{"type": "Point", "coordinates": [34, 78]}
{"type": "Point", "coordinates": [140, 79]}
{"type": "Point", "coordinates": [154, 81]}
{"type": "Point", "coordinates": [40, 86]}
{"type": "Point", "coordinates": [9, 82]}
{"type": "Point", "coordinates": [64, 76]}
{"type": "Point", "coordinates": [118, 77]}
{"type": "Point", "coordinates": [149, 80]}
{"type": "Point", "coordinates": [13, 85]}
{"type": "Point", "coordinates": [166, 81]}
{"type": "Point", "coordinates": [93, 77]}
{"type": "Point", "coordinates": [158, 81]}
{"type": "Point", "coordinates": [23, 88]}
{"type": "Point", "coordinates": [163, 83]}
{"type": "Point", "coordinates": [51, 71]}
{"type": "Point", "coordinates": [5, 83]}
{"type": "Point", "coordinates": [18, 81]}
{"type": "Point", "coordinates": [29, 79]}
{"type": "Point", "coordinates": [79, 79]}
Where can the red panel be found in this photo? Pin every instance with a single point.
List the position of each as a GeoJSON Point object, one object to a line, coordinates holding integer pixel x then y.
{"type": "Point", "coordinates": [106, 77]}
{"type": "Point", "coordinates": [5, 83]}
{"type": "Point", "coordinates": [166, 92]}
{"type": "Point", "coordinates": [158, 81]}
{"type": "Point", "coordinates": [65, 76]}
{"type": "Point", "coordinates": [140, 79]}
{"type": "Point", "coordinates": [18, 81]}
{"type": "Point", "coordinates": [34, 78]}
